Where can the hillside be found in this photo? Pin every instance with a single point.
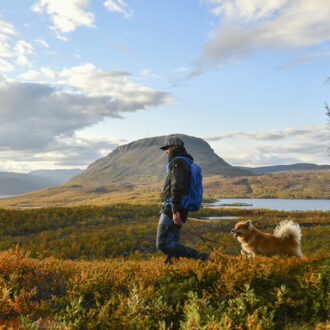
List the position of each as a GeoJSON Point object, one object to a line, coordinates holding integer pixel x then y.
{"type": "Point", "coordinates": [282, 168]}
{"type": "Point", "coordinates": [143, 159]}
{"type": "Point", "coordinates": [12, 183]}
{"type": "Point", "coordinates": [290, 185]}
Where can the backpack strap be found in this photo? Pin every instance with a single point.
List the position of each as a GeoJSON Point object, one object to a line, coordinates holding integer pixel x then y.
{"type": "Point", "coordinates": [188, 160]}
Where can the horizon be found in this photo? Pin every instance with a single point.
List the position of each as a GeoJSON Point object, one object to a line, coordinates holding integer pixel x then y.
{"type": "Point", "coordinates": [80, 78]}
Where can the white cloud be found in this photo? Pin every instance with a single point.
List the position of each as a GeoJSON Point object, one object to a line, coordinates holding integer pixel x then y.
{"type": "Point", "coordinates": [308, 57]}
{"type": "Point", "coordinates": [11, 48]}
{"type": "Point", "coordinates": [42, 42]}
{"type": "Point", "coordinates": [115, 84]}
{"type": "Point", "coordinates": [64, 152]}
{"type": "Point", "coordinates": [49, 73]}
{"type": "Point", "coordinates": [119, 6]}
{"type": "Point", "coordinates": [5, 66]}
{"type": "Point", "coordinates": [23, 48]}
{"type": "Point", "coordinates": [248, 26]}
{"type": "Point", "coordinates": [247, 10]}
{"type": "Point", "coordinates": [5, 48]}
{"type": "Point", "coordinates": [30, 75]}
{"type": "Point", "coordinates": [274, 147]}
{"type": "Point", "coordinates": [282, 154]}
{"type": "Point", "coordinates": [65, 15]}
{"type": "Point", "coordinates": [7, 28]}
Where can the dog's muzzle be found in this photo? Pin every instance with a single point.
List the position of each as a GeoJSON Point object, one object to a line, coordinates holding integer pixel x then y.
{"type": "Point", "coordinates": [235, 233]}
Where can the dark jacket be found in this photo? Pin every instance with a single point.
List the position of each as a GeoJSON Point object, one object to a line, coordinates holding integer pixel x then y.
{"type": "Point", "coordinates": [179, 183]}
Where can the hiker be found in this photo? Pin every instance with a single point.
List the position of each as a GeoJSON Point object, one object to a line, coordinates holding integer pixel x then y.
{"type": "Point", "coordinates": [173, 215]}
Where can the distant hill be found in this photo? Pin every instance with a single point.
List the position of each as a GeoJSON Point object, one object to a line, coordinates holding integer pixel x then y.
{"type": "Point", "coordinates": [280, 168]}
{"type": "Point", "coordinates": [58, 176]}
{"type": "Point", "coordinates": [12, 183]}
{"type": "Point", "coordinates": [143, 159]}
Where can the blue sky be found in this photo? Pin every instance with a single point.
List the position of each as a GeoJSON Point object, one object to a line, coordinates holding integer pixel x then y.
{"type": "Point", "coordinates": [80, 77]}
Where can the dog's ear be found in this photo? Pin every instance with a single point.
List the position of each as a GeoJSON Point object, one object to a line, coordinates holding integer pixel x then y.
{"type": "Point", "coordinates": [250, 223]}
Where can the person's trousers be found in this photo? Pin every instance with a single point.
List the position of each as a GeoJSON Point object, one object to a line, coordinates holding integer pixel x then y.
{"type": "Point", "coordinates": [167, 241]}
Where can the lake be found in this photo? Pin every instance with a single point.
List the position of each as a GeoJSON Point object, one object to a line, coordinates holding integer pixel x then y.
{"type": "Point", "coordinates": [276, 204]}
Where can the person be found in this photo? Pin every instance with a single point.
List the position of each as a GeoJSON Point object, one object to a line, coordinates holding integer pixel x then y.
{"type": "Point", "coordinates": [173, 215]}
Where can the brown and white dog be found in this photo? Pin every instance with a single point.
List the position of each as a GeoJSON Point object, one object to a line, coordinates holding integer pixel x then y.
{"type": "Point", "coordinates": [284, 242]}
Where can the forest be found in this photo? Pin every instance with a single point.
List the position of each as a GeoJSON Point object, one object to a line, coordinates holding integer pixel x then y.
{"type": "Point", "coordinates": [97, 268]}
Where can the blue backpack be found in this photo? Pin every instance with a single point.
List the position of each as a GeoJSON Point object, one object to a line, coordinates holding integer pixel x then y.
{"type": "Point", "coordinates": [192, 201]}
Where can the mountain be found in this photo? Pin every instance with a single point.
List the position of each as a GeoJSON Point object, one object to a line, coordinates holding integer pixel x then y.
{"type": "Point", "coordinates": [57, 176]}
{"type": "Point", "coordinates": [12, 183]}
{"type": "Point", "coordinates": [280, 168]}
{"type": "Point", "coordinates": [143, 159]}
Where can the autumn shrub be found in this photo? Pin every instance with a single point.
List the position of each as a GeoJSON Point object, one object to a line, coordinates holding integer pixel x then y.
{"type": "Point", "coordinates": [97, 268]}
{"type": "Point", "coordinates": [232, 292]}
{"type": "Point", "coordinates": [89, 233]}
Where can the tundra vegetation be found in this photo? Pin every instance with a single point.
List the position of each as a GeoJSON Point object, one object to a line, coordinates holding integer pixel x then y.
{"type": "Point", "coordinates": [145, 189]}
{"type": "Point", "coordinates": [97, 268]}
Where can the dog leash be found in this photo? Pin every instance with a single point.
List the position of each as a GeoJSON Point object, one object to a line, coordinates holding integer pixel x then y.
{"type": "Point", "coordinates": [206, 240]}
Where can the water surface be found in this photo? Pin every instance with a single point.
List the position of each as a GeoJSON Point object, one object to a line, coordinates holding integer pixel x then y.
{"type": "Point", "coordinates": [276, 204]}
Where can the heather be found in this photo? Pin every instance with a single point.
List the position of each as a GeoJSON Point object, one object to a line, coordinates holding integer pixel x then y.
{"type": "Point", "coordinates": [97, 268]}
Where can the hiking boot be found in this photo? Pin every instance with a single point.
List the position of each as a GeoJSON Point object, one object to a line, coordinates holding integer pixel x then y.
{"type": "Point", "coordinates": [168, 261]}
{"type": "Point", "coordinates": [203, 256]}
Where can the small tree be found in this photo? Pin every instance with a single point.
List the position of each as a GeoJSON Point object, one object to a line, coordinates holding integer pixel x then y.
{"type": "Point", "coordinates": [327, 110]}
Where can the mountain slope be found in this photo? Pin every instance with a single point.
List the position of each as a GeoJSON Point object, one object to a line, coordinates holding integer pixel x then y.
{"type": "Point", "coordinates": [143, 159]}
{"type": "Point", "coordinates": [280, 168]}
{"type": "Point", "coordinates": [12, 183]}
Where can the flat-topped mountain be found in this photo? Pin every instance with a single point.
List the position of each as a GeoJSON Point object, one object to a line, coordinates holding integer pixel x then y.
{"type": "Point", "coordinates": [143, 159]}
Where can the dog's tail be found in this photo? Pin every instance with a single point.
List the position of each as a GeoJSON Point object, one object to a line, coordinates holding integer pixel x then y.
{"type": "Point", "coordinates": [288, 229]}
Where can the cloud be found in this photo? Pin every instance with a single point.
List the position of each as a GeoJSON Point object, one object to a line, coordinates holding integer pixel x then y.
{"type": "Point", "coordinates": [308, 57]}
{"type": "Point", "coordinates": [12, 48]}
{"type": "Point", "coordinates": [22, 48]}
{"type": "Point", "coordinates": [274, 147]}
{"type": "Point", "coordinates": [5, 66]}
{"type": "Point", "coordinates": [248, 26]}
{"type": "Point", "coordinates": [63, 153]}
{"type": "Point", "coordinates": [246, 10]}
{"type": "Point", "coordinates": [7, 28]}
{"type": "Point", "coordinates": [65, 15]}
{"type": "Point", "coordinates": [49, 73]}
{"type": "Point", "coordinates": [42, 42]}
{"type": "Point", "coordinates": [115, 84]}
{"type": "Point", "coordinates": [119, 6]}
{"type": "Point", "coordinates": [30, 75]}
{"type": "Point", "coordinates": [34, 115]}
{"type": "Point", "coordinates": [283, 154]}
{"type": "Point", "coordinates": [7, 31]}
{"type": "Point", "coordinates": [5, 48]}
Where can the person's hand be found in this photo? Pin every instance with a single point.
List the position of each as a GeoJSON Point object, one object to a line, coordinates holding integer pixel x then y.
{"type": "Point", "coordinates": [177, 219]}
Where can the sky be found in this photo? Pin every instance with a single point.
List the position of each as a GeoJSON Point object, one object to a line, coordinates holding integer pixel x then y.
{"type": "Point", "coordinates": [78, 78]}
